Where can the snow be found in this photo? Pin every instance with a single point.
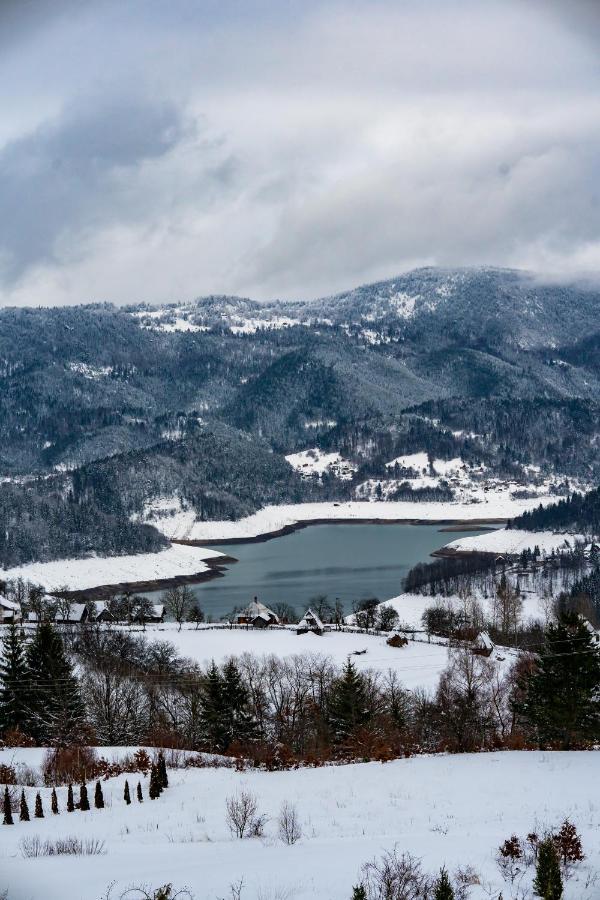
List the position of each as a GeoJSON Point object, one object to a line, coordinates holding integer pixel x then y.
{"type": "Point", "coordinates": [316, 462]}
{"type": "Point", "coordinates": [419, 664]}
{"type": "Point", "coordinates": [446, 810]}
{"type": "Point", "coordinates": [80, 574]}
{"type": "Point", "coordinates": [512, 542]}
{"type": "Point", "coordinates": [410, 607]}
{"type": "Point", "coordinates": [491, 505]}
{"type": "Point", "coordinates": [417, 461]}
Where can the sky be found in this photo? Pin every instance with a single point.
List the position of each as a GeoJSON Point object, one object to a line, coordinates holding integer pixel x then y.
{"type": "Point", "coordinates": [156, 152]}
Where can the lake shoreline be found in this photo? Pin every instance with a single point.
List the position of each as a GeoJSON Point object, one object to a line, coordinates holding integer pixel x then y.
{"type": "Point", "coordinates": [451, 525]}
{"type": "Point", "coordinates": [216, 568]}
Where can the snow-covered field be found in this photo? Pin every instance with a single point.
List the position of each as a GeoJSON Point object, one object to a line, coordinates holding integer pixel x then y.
{"type": "Point", "coordinates": [491, 505]}
{"type": "Point", "coordinates": [418, 664]}
{"type": "Point", "coordinates": [512, 541]}
{"type": "Point", "coordinates": [316, 462]}
{"type": "Point", "coordinates": [446, 810]}
{"type": "Point", "coordinates": [80, 574]}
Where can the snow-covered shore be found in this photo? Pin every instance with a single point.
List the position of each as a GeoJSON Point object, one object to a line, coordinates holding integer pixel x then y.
{"type": "Point", "coordinates": [83, 574]}
{"type": "Point", "coordinates": [274, 519]}
{"type": "Point", "coordinates": [512, 542]}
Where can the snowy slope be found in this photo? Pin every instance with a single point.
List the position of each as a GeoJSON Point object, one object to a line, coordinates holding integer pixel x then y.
{"type": "Point", "coordinates": [513, 541]}
{"type": "Point", "coordinates": [452, 810]}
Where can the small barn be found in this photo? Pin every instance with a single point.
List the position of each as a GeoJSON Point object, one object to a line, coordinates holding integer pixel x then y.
{"type": "Point", "coordinates": [257, 615]}
{"type": "Point", "coordinates": [482, 645]}
{"type": "Point", "coordinates": [153, 613]}
{"type": "Point", "coordinates": [310, 622]}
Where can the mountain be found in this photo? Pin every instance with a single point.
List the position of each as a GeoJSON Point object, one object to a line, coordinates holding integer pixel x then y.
{"type": "Point", "coordinates": [146, 403]}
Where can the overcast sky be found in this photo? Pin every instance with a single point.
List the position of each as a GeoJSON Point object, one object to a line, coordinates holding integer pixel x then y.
{"type": "Point", "coordinates": [158, 151]}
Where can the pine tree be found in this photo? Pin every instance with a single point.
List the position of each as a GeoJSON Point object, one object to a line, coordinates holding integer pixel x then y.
{"type": "Point", "coordinates": [548, 880]}
{"type": "Point", "coordinates": [140, 796]}
{"type": "Point", "coordinates": [39, 809]}
{"type": "Point", "coordinates": [560, 697]}
{"type": "Point", "coordinates": [239, 723]}
{"type": "Point", "coordinates": [84, 803]}
{"type": "Point", "coordinates": [13, 679]}
{"type": "Point", "coordinates": [212, 717]}
{"type": "Point", "coordinates": [70, 801]}
{"type": "Point", "coordinates": [126, 794]}
{"type": "Point", "coordinates": [162, 771]}
{"type": "Point", "coordinates": [55, 707]}
{"type": "Point", "coordinates": [24, 811]}
{"type": "Point", "coordinates": [443, 889]}
{"type": "Point", "coordinates": [8, 818]}
{"type": "Point", "coordinates": [54, 802]}
{"type": "Point", "coordinates": [348, 708]}
{"type": "Point", "coordinates": [98, 796]}
{"type": "Point", "coordinates": [359, 892]}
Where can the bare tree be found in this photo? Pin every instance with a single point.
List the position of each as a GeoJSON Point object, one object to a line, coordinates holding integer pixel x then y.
{"type": "Point", "coordinates": [242, 817]}
{"type": "Point", "coordinates": [177, 601]}
{"type": "Point", "coordinates": [290, 830]}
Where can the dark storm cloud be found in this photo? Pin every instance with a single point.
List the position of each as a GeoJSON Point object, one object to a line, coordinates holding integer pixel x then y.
{"type": "Point", "coordinates": [73, 173]}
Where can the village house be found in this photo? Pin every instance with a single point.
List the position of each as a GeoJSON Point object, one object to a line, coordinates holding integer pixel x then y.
{"type": "Point", "coordinates": [257, 614]}
{"type": "Point", "coordinates": [482, 645]}
{"type": "Point", "coordinates": [9, 611]}
{"type": "Point", "coordinates": [310, 622]}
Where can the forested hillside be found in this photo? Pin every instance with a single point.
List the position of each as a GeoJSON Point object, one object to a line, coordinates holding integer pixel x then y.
{"type": "Point", "coordinates": [105, 410]}
{"type": "Point", "coordinates": [579, 513]}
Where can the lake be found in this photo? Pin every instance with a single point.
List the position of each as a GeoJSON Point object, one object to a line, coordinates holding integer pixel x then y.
{"type": "Point", "coordinates": [346, 561]}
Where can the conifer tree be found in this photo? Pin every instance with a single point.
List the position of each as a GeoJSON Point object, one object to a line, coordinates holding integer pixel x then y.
{"type": "Point", "coordinates": [162, 771]}
{"type": "Point", "coordinates": [24, 811]}
{"type": "Point", "coordinates": [70, 801]}
{"type": "Point", "coordinates": [155, 788]}
{"type": "Point", "coordinates": [55, 707]}
{"type": "Point", "coordinates": [359, 892]}
{"type": "Point", "coordinates": [560, 697]}
{"type": "Point", "coordinates": [54, 802]}
{"type": "Point", "coordinates": [98, 796]}
{"type": "Point", "coordinates": [8, 818]}
{"type": "Point", "coordinates": [140, 796]}
{"type": "Point", "coordinates": [126, 794]}
{"type": "Point", "coordinates": [84, 803]}
{"type": "Point", "coordinates": [548, 880]}
{"type": "Point", "coordinates": [348, 708]}
{"type": "Point", "coordinates": [212, 716]}
{"type": "Point", "coordinates": [443, 890]}
{"type": "Point", "coordinates": [239, 723]}
{"type": "Point", "coordinates": [13, 681]}
{"type": "Point", "coordinates": [39, 809]}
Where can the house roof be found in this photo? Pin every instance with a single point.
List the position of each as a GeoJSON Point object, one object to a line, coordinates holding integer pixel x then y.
{"type": "Point", "coordinates": [9, 604]}
{"type": "Point", "coordinates": [484, 641]}
{"type": "Point", "coordinates": [258, 610]}
{"type": "Point", "coordinates": [310, 620]}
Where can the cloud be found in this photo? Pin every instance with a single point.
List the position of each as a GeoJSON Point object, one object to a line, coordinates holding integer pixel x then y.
{"type": "Point", "coordinates": [294, 149]}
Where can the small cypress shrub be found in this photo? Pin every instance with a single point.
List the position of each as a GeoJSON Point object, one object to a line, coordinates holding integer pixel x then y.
{"type": "Point", "coordinates": [8, 818]}
{"type": "Point", "coordinates": [24, 811]}
{"type": "Point", "coordinates": [162, 771]}
{"type": "Point", "coordinates": [443, 889]}
{"type": "Point", "coordinates": [155, 788]}
{"type": "Point", "coordinates": [70, 802]}
{"type": "Point", "coordinates": [139, 793]}
{"type": "Point", "coordinates": [39, 809]}
{"type": "Point", "coordinates": [359, 892]}
{"type": "Point", "coordinates": [548, 880]}
{"type": "Point", "coordinates": [98, 796]}
{"type": "Point", "coordinates": [54, 802]}
{"type": "Point", "coordinates": [84, 803]}
{"type": "Point", "coordinates": [126, 794]}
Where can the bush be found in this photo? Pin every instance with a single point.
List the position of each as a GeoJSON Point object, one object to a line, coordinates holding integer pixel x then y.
{"type": "Point", "coordinates": [288, 822]}
{"type": "Point", "coordinates": [395, 877]}
{"type": "Point", "coordinates": [7, 774]}
{"type": "Point", "coordinates": [242, 817]}
{"type": "Point", "coordinates": [64, 765]}
{"type": "Point", "coordinates": [32, 847]}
